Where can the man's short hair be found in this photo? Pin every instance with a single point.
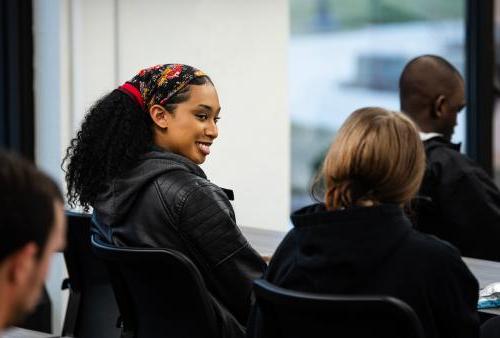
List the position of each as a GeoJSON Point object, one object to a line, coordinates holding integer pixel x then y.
{"type": "Point", "coordinates": [413, 92]}
{"type": "Point", "coordinates": [27, 197]}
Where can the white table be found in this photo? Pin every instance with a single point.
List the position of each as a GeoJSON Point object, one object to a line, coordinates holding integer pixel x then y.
{"type": "Point", "coordinates": [17, 332]}
{"type": "Point", "coordinates": [264, 241]}
{"type": "Point", "coordinates": [486, 272]}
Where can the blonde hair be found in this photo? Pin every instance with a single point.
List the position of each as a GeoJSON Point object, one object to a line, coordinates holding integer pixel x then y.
{"type": "Point", "coordinates": [376, 156]}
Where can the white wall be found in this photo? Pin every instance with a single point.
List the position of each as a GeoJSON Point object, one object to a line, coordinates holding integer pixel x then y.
{"type": "Point", "coordinates": [85, 48]}
{"type": "Point", "coordinates": [51, 77]}
{"type": "Point", "coordinates": [241, 44]}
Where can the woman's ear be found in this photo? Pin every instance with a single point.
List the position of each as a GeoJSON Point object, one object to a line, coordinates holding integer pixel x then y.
{"type": "Point", "coordinates": [160, 116]}
{"type": "Point", "coordinates": [439, 104]}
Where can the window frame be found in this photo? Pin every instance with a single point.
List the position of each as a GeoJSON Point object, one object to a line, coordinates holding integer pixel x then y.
{"type": "Point", "coordinates": [479, 75]}
{"type": "Point", "coordinates": [16, 77]}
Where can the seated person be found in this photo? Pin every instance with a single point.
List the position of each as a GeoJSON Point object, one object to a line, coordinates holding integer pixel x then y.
{"type": "Point", "coordinates": [135, 161]}
{"type": "Point", "coordinates": [457, 201]}
{"type": "Point", "coordinates": [360, 242]}
{"type": "Point", "coordinates": [33, 228]}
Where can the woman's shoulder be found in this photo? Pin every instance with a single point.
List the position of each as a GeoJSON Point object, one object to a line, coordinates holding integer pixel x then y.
{"type": "Point", "coordinates": [183, 184]}
{"type": "Point", "coordinates": [441, 264]}
{"type": "Point", "coordinates": [437, 251]}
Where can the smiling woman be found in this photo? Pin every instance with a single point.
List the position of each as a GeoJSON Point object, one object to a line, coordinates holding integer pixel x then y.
{"type": "Point", "coordinates": [135, 161]}
{"type": "Point", "coordinates": [190, 128]}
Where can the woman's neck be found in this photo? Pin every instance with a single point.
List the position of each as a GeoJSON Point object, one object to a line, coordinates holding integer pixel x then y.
{"type": "Point", "coordinates": [366, 203]}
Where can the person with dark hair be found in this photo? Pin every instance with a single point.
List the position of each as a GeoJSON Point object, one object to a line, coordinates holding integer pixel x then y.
{"type": "Point", "coordinates": [359, 240]}
{"type": "Point", "coordinates": [135, 161]}
{"type": "Point", "coordinates": [33, 228]}
{"type": "Point", "coordinates": [457, 201]}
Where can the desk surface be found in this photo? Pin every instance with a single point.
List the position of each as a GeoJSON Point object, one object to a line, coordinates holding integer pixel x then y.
{"type": "Point", "coordinates": [266, 242]}
{"type": "Point", "coordinates": [17, 332]}
{"type": "Point", "coordinates": [486, 272]}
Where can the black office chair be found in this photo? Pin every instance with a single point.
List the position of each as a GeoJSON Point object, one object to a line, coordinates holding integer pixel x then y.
{"type": "Point", "coordinates": [92, 311]}
{"type": "Point", "coordinates": [491, 328]}
{"type": "Point", "coordinates": [286, 313]}
{"type": "Point", "coordinates": [160, 292]}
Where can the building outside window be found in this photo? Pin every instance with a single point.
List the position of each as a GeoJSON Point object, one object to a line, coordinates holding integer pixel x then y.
{"type": "Point", "coordinates": [348, 54]}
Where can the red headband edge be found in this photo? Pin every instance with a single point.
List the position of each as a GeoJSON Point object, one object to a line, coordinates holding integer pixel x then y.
{"type": "Point", "coordinates": [133, 92]}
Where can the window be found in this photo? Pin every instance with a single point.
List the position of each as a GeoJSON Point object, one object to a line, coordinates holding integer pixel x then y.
{"type": "Point", "coordinates": [347, 54]}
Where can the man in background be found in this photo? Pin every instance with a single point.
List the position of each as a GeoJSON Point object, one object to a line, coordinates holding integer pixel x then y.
{"type": "Point", "coordinates": [32, 228]}
{"type": "Point", "coordinates": [457, 201]}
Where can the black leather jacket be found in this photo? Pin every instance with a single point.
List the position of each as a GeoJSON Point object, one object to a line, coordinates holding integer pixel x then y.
{"type": "Point", "coordinates": [167, 202]}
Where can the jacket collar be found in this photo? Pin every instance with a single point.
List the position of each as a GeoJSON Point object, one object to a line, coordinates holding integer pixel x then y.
{"type": "Point", "coordinates": [353, 241]}
{"type": "Point", "coordinates": [427, 136]}
{"type": "Point", "coordinates": [317, 214]}
{"type": "Point", "coordinates": [120, 194]}
{"type": "Point", "coordinates": [438, 139]}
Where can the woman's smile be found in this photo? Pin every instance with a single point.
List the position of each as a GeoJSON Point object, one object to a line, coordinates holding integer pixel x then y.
{"type": "Point", "coordinates": [204, 147]}
{"type": "Point", "coordinates": [191, 129]}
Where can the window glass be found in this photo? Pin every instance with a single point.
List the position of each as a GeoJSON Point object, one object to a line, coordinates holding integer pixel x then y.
{"type": "Point", "coordinates": [348, 54]}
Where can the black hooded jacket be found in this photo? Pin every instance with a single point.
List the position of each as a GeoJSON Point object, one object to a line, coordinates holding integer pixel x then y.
{"type": "Point", "coordinates": [167, 202]}
{"type": "Point", "coordinates": [374, 250]}
{"type": "Point", "coordinates": [458, 202]}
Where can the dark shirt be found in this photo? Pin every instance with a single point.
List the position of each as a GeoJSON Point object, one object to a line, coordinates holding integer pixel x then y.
{"type": "Point", "coordinates": [375, 250]}
{"type": "Point", "coordinates": [458, 202]}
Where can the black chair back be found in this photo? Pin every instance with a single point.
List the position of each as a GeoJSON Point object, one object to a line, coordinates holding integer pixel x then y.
{"type": "Point", "coordinates": [92, 311]}
{"type": "Point", "coordinates": [491, 328]}
{"type": "Point", "coordinates": [290, 314]}
{"type": "Point", "coordinates": [160, 292]}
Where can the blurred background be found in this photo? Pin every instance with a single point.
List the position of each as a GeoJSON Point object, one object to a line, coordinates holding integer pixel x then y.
{"type": "Point", "coordinates": [345, 54]}
{"type": "Point", "coordinates": [288, 73]}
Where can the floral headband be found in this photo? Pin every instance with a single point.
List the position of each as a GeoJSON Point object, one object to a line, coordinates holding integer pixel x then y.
{"type": "Point", "coordinates": [157, 84]}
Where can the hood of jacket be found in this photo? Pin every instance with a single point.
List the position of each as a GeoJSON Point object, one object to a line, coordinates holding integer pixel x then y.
{"type": "Point", "coordinates": [120, 194]}
{"type": "Point", "coordinates": [351, 242]}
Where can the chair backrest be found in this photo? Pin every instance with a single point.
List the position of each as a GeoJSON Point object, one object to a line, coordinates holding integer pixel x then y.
{"type": "Point", "coordinates": [160, 292]}
{"type": "Point", "coordinates": [287, 313]}
{"type": "Point", "coordinates": [491, 328]}
{"type": "Point", "coordinates": [92, 311]}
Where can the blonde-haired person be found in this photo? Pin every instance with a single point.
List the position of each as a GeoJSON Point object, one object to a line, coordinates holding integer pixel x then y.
{"type": "Point", "coordinates": [359, 241]}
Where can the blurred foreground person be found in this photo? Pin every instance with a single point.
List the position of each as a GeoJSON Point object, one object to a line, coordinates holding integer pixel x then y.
{"type": "Point", "coordinates": [32, 226]}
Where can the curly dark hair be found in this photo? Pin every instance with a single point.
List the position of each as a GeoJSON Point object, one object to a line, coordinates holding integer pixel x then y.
{"type": "Point", "coordinates": [114, 134]}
